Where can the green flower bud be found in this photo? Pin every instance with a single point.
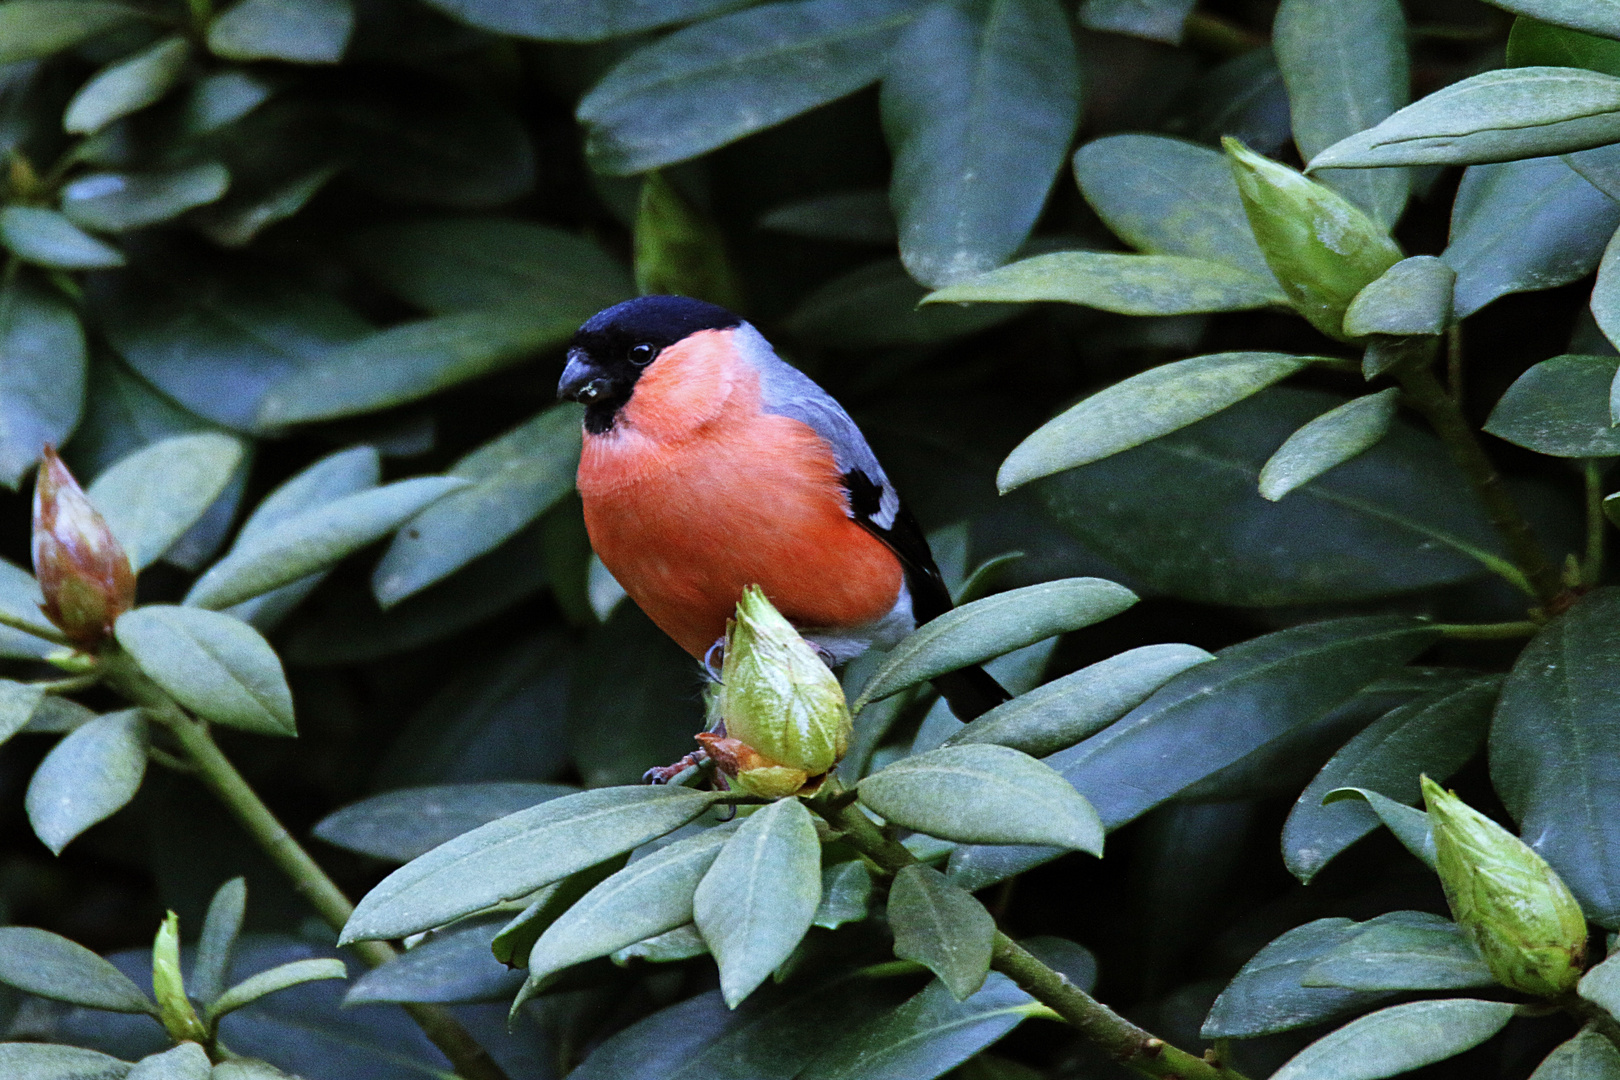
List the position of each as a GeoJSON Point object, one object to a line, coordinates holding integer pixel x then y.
{"type": "Point", "coordinates": [83, 572]}
{"type": "Point", "coordinates": [169, 985]}
{"type": "Point", "coordinates": [1518, 912]}
{"type": "Point", "coordinates": [1322, 249]}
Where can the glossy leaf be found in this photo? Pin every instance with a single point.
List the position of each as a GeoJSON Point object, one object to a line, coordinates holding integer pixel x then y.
{"type": "Point", "coordinates": [1126, 284]}
{"type": "Point", "coordinates": [983, 794]}
{"type": "Point", "coordinates": [1066, 710]}
{"type": "Point", "coordinates": [941, 927]}
{"type": "Point", "coordinates": [1586, 1056]}
{"type": "Point", "coordinates": [1409, 825]}
{"type": "Point", "coordinates": [1403, 950]}
{"type": "Point", "coordinates": [1556, 714]}
{"type": "Point", "coordinates": [42, 373]}
{"type": "Point", "coordinates": [1434, 735]}
{"type": "Point", "coordinates": [1560, 407]}
{"type": "Point", "coordinates": [87, 777]}
{"type": "Point", "coordinates": [995, 625]}
{"type": "Point", "coordinates": [1142, 408]}
{"type": "Point", "coordinates": [1496, 116]}
{"type": "Point", "coordinates": [1398, 1039]}
{"type": "Point", "coordinates": [514, 855]}
{"type": "Point", "coordinates": [35, 28]}
{"type": "Point", "coordinates": [304, 31]}
{"type": "Point", "coordinates": [1413, 297]}
{"type": "Point", "coordinates": [127, 86]}
{"type": "Point", "coordinates": [713, 83]}
{"type": "Point", "coordinates": [277, 978]}
{"type": "Point", "coordinates": [213, 664]}
{"type": "Point", "coordinates": [400, 825]}
{"type": "Point", "coordinates": [1345, 65]}
{"type": "Point", "coordinates": [1268, 996]}
{"type": "Point", "coordinates": [46, 238]}
{"type": "Point", "coordinates": [1328, 441]}
{"type": "Point", "coordinates": [114, 202]}
{"type": "Point", "coordinates": [52, 966]}
{"type": "Point", "coordinates": [221, 927]}
{"type": "Point", "coordinates": [151, 497]}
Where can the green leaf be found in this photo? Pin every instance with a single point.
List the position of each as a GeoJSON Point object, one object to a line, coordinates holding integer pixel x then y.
{"type": "Point", "coordinates": [880, 305]}
{"type": "Point", "coordinates": [303, 31]}
{"type": "Point", "coordinates": [568, 20]}
{"type": "Point", "coordinates": [1169, 197]}
{"type": "Point", "coordinates": [30, 29]}
{"type": "Point", "coordinates": [1533, 43]}
{"type": "Point", "coordinates": [678, 248]}
{"type": "Point", "coordinates": [20, 598]}
{"type": "Point", "coordinates": [857, 217]}
{"type": "Point", "coordinates": [1331, 439]}
{"type": "Point", "coordinates": [712, 83]}
{"type": "Point", "coordinates": [87, 777]}
{"type": "Point", "coordinates": [216, 666]}
{"type": "Point", "coordinates": [1606, 305]}
{"type": "Point", "coordinates": [513, 480]}
{"type": "Point", "coordinates": [221, 927]}
{"type": "Point", "coordinates": [451, 966]}
{"type": "Point", "coordinates": [927, 1036]}
{"type": "Point", "coordinates": [757, 898]}
{"type": "Point", "coordinates": [1495, 116]}
{"type": "Point", "coordinates": [114, 202]}
{"type": "Point", "coordinates": [127, 86]}
{"type": "Point", "coordinates": [995, 625]}
{"type": "Point", "coordinates": [846, 895]}
{"type": "Point", "coordinates": [18, 703]}
{"type": "Point", "coordinates": [1602, 985]}
{"type": "Point", "coordinates": [1126, 284]}
{"type": "Point", "coordinates": [1523, 226]}
{"type": "Point", "coordinates": [1345, 65]}
{"type": "Point", "coordinates": [1412, 297]}
{"type": "Point", "coordinates": [1558, 714]}
{"type": "Point", "coordinates": [1403, 950]}
{"type": "Point", "coordinates": [315, 540]}
{"type": "Point", "coordinates": [984, 794]}
{"type": "Point", "coordinates": [1436, 735]}
{"type": "Point", "coordinates": [1142, 408]}
{"type": "Point", "coordinates": [1587, 1056]}
{"type": "Point", "coordinates": [650, 896]}
{"type": "Point", "coordinates": [513, 941]}
{"type": "Point", "coordinates": [42, 372]}
{"type": "Point", "coordinates": [1267, 995]}
{"type": "Point", "coordinates": [1082, 703]}
{"type": "Point", "coordinates": [446, 265]}
{"type": "Point", "coordinates": [979, 104]}
{"type": "Point", "coordinates": [519, 853]}
{"type": "Point", "coordinates": [681, 943]}
{"type": "Point", "coordinates": [1600, 17]}
{"type": "Point", "coordinates": [151, 497]}
{"type": "Point", "coordinates": [277, 978]}
{"type": "Point", "coordinates": [1398, 1039]}
{"type": "Point", "coordinates": [400, 825]}
{"type": "Point", "coordinates": [941, 927]}
{"type": "Point", "coordinates": [1560, 407]}
{"type": "Point", "coordinates": [188, 1061]}
{"type": "Point", "coordinates": [405, 363]}
{"type": "Point", "coordinates": [1409, 825]}
{"type": "Point", "coordinates": [1156, 20]}
{"type": "Point", "coordinates": [45, 1061]}
{"type": "Point", "coordinates": [51, 966]}
{"type": "Point", "coordinates": [46, 238]}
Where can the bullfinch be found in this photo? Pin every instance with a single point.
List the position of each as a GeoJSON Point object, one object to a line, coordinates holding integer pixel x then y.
{"type": "Point", "coordinates": [709, 464]}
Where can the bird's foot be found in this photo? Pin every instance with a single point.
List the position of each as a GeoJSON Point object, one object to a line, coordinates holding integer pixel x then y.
{"type": "Point", "coordinates": [664, 774]}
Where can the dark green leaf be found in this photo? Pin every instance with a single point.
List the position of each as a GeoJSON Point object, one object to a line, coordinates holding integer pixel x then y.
{"type": "Point", "coordinates": [979, 103]}
{"type": "Point", "coordinates": [213, 664]}
{"type": "Point", "coordinates": [87, 777]}
{"type": "Point", "coordinates": [277, 978]}
{"type": "Point", "coordinates": [519, 853]}
{"type": "Point", "coordinates": [1156, 20]}
{"type": "Point", "coordinates": [52, 966]}
{"type": "Point", "coordinates": [1587, 1056]}
{"type": "Point", "coordinates": [221, 927]}
{"type": "Point", "coordinates": [1345, 65]}
{"type": "Point", "coordinates": [1398, 1039]}
{"type": "Point", "coordinates": [1601, 17]}
{"type": "Point", "coordinates": [1141, 409]}
{"type": "Point", "coordinates": [1403, 950]}
{"type": "Point", "coordinates": [1602, 985]}
{"type": "Point", "coordinates": [1606, 305]}
{"type": "Point", "coordinates": [46, 238]}
{"type": "Point", "coordinates": [1127, 284]}
{"type": "Point", "coordinates": [127, 86]}
{"type": "Point", "coordinates": [1413, 297]}
{"type": "Point", "coordinates": [1533, 43]}
{"type": "Point", "coordinates": [42, 370]}
{"type": "Point", "coordinates": [941, 927]}
{"type": "Point", "coordinates": [151, 497]}
{"type": "Point", "coordinates": [451, 966]}
{"type": "Point", "coordinates": [984, 794]}
{"type": "Point", "coordinates": [713, 83]}
{"type": "Point", "coordinates": [43, 1061]}
{"type": "Point", "coordinates": [879, 305]}
{"type": "Point", "coordinates": [1560, 407]}
{"type": "Point", "coordinates": [1267, 996]}
{"type": "Point", "coordinates": [756, 900]}
{"type": "Point", "coordinates": [305, 31]}
{"type": "Point", "coordinates": [400, 825]}
{"type": "Point", "coordinates": [187, 1061]}
{"type": "Point", "coordinates": [513, 942]}
{"type": "Point", "coordinates": [1558, 715]}
{"type": "Point", "coordinates": [1409, 825]}
{"type": "Point", "coordinates": [856, 217]}
{"type": "Point", "coordinates": [1436, 735]}
{"type": "Point", "coordinates": [681, 943]}
{"type": "Point", "coordinates": [993, 626]}
{"type": "Point", "coordinates": [846, 894]}
{"type": "Point", "coordinates": [1330, 440]}
{"type": "Point", "coordinates": [35, 28]}
{"type": "Point", "coordinates": [1082, 703]}
{"type": "Point", "coordinates": [113, 202]}
{"type": "Point", "coordinates": [569, 20]}
{"type": "Point", "coordinates": [679, 249]}
{"type": "Point", "coordinates": [1496, 116]}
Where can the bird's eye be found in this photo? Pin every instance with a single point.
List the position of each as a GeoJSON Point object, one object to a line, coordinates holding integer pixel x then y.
{"type": "Point", "coordinates": [642, 355]}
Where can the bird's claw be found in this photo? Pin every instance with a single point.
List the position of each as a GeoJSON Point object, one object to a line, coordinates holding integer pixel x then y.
{"type": "Point", "coordinates": [711, 664]}
{"type": "Point", "coordinates": [664, 774]}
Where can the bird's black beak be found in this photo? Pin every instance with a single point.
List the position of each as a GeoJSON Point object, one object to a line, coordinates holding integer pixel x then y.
{"type": "Point", "coordinates": [581, 381]}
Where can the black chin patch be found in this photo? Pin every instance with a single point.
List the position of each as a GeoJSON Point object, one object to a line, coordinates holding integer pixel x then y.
{"type": "Point", "coordinates": [608, 336]}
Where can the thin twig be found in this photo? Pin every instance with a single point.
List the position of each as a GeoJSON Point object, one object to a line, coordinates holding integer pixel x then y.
{"type": "Point", "coordinates": [1596, 527]}
{"type": "Point", "coordinates": [1496, 631]}
{"type": "Point", "coordinates": [44, 633]}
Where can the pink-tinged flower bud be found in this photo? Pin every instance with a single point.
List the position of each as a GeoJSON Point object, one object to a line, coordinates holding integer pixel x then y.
{"type": "Point", "coordinates": [83, 571]}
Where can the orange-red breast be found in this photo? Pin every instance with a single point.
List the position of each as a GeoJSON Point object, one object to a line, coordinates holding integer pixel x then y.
{"type": "Point", "coordinates": [710, 464]}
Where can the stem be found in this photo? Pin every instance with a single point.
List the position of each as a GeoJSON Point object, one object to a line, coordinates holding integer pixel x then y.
{"type": "Point", "coordinates": [214, 769]}
{"type": "Point", "coordinates": [1592, 565]}
{"type": "Point", "coordinates": [1454, 360]}
{"type": "Point", "coordinates": [1130, 1045]}
{"type": "Point", "coordinates": [55, 637]}
{"type": "Point", "coordinates": [1444, 415]}
{"type": "Point", "coordinates": [1495, 631]}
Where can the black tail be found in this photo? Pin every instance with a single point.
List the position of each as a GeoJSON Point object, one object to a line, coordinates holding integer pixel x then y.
{"type": "Point", "coordinates": [971, 692]}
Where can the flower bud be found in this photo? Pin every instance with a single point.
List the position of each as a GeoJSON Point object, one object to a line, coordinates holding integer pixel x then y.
{"type": "Point", "coordinates": [169, 985]}
{"type": "Point", "coordinates": [1517, 911]}
{"type": "Point", "coordinates": [83, 571]}
{"type": "Point", "coordinates": [786, 721]}
{"type": "Point", "coordinates": [1322, 248]}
